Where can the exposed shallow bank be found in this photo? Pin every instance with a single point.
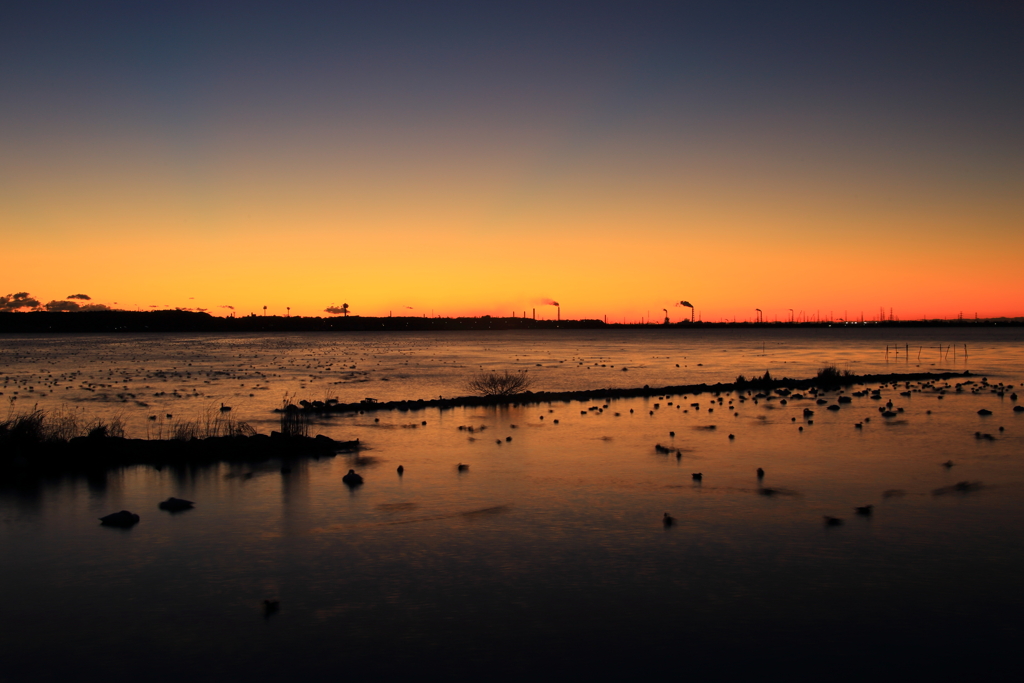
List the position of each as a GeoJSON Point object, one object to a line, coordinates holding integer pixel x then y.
{"type": "Point", "coordinates": [534, 397]}
{"type": "Point", "coordinates": [90, 452]}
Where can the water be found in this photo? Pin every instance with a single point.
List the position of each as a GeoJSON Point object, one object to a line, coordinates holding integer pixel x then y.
{"type": "Point", "coordinates": [136, 377]}
{"type": "Point", "coordinates": [547, 557]}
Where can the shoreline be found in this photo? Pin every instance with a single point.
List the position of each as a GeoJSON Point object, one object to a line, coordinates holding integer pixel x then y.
{"type": "Point", "coordinates": [90, 453]}
{"type": "Point", "coordinates": [535, 397]}
{"type": "Point", "coordinates": [45, 322]}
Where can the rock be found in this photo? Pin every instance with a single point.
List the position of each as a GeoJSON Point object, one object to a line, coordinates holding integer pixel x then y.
{"type": "Point", "coordinates": [176, 504]}
{"type": "Point", "coordinates": [123, 519]}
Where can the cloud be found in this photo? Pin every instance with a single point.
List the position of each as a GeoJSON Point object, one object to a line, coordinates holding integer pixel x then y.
{"type": "Point", "coordinates": [228, 306]}
{"type": "Point", "coordinates": [16, 302]}
{"type": "Point", "coordinates": [83, 297]}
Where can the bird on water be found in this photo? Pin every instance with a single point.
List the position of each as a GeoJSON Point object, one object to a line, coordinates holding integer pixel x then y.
{"type": "Point", "coordinates": [352, 479]}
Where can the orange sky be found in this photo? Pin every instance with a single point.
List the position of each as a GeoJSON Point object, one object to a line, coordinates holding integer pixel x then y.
{"type": "Point", "coordinates": [617, 195]}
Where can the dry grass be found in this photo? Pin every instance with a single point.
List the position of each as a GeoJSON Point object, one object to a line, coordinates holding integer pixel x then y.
{"type": "Point", "coordinates": [210, 423]}
{"type": "Point", "coordinates": [60, 425]}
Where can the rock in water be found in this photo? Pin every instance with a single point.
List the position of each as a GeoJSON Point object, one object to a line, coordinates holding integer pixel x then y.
{"type": "Point", "coordinates": [123, 519]}
{"type": "Point", "coordinates": [176, 504]}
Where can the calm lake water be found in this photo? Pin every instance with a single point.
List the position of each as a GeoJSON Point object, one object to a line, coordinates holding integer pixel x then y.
{"type": "Point", "coordinates": [547, 558]}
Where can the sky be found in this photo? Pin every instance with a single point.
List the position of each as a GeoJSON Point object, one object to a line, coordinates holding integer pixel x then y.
{"type": "Point", "coordinates": [441, 158]}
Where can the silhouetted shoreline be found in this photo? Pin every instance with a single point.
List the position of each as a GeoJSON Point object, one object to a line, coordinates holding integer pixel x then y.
{"type": "Point", "coordinates": [190, 321]}
{"type": "Point", "coordinates": [89, 453]}
{"type": "Point", "coordinates": [535, 397]}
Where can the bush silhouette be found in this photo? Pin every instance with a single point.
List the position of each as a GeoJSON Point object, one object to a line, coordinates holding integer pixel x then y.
{"type": "Point", "coordinates": [503, 383]}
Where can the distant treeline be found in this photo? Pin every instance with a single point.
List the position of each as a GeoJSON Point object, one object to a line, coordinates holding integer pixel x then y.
{"type": "Point", "coordinates": [189, 321]}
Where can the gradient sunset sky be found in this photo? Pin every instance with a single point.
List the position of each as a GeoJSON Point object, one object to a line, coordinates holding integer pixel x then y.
{"type": "Point", "coordinates": [476, 158]}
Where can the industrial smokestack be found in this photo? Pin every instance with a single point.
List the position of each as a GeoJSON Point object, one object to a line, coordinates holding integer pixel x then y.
{"type": "Point", "coordinates": [559, 314]}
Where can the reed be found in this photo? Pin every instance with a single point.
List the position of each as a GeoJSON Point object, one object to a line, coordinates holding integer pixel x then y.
{"type": "Point", "coordinates": [212, 422]}
{"type": "Point", "coordinates": [37, 427]}
{"type": "Point", "coordinates": [294, 422]}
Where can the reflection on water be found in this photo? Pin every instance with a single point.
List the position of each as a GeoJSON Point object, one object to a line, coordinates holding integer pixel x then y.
{"type": "Point", "coordinates": [547, 557]}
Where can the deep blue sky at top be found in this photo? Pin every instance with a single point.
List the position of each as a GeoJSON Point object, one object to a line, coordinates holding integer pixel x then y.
{"type": "Point", "coordinates": [941, 63]}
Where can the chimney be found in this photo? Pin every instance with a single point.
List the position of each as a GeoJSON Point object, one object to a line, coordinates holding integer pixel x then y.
{"type": "Point", "coordinates": [535, 314]}
{"type": "Point", "coordinates": [559, 314]}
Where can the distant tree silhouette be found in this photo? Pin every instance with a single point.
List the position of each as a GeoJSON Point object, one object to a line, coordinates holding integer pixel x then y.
{"type": "Point", "coordinates": [19, 301]}
{"type": "Point", "coordinates": [337, 310]}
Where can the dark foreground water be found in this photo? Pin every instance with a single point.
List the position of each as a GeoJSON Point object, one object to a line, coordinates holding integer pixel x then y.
{"type": "Point", "coordinates": [547, 558]}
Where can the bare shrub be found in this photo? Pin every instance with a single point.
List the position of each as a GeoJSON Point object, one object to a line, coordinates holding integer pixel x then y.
{"type": "Point", "coordinates": [830, 373]}
{"type": "Point", "coordinates": [504, 383]}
